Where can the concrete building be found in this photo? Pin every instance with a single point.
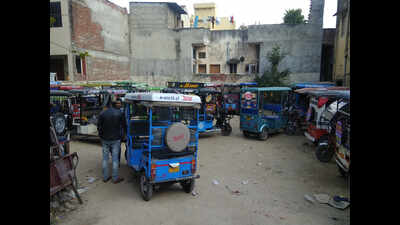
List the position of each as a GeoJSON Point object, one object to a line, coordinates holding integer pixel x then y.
{"type": "Point", "coordinates": [341, 67]}
{"type": "Point", "coordinates": [97, 27]}
{"type": "Point", "coordinates": [162, 51]}
{"type": "Point", "coordinates": [206, 14]}
{"type": "Point", "coordinates": [151, 44]}
{"type": "Point", "coordinates": [328, 45]}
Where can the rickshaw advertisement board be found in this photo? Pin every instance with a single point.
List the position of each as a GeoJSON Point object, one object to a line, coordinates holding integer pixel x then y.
{"type": "Point", "coordinates": [339, 132]}
{"type": "Point", "coordinates": [187, 85]}
{"type": "Point", "coordinates": [249, 100]}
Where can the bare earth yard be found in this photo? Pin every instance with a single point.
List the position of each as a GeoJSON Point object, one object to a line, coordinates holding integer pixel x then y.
{"type": "Point", "coordinates": [243, 182]}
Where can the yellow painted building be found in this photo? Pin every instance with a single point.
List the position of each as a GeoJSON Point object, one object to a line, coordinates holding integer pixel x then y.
{"type": "Point", "coordinates": [205, 12]}
{"type": "Point", "coordinates": [341, 65]}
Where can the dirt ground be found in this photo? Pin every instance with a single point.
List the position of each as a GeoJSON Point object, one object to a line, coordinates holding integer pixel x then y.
{"type": "Point", "coordinates": [270, 179]}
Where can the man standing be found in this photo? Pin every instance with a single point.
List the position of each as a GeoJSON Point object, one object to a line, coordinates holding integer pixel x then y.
{"type": "Point", "coordinates": [111, 127]}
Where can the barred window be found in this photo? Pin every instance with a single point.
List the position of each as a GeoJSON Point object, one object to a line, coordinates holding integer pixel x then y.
{"type": "Point", "coordinates": [55, 12]}
{"type": "Point", "coordinates": [202, 55]}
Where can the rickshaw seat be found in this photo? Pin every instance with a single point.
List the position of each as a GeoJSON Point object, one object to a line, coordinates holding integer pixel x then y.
{"type": "Point", "coordinates": [139, 128]}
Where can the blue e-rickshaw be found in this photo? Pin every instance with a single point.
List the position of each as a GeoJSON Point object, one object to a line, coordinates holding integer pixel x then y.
{"type": "Point", "coordinates": [162, 138]}
{"type": "Point", "coordinates": [211, 108]}
{"type": "Point", "coordinates": [261, 110]}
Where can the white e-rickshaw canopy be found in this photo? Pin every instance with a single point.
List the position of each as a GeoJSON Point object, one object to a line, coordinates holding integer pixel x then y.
{"type": "Point", "coordinates": [164, 99]}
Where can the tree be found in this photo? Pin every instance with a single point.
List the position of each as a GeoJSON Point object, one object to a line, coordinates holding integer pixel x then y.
{"type": "Point", "coordinates": [272, 77]}
{"type": "Point", "coordinates": [293, 17]}
{"type": "Point", "coordinates": [52, 21]}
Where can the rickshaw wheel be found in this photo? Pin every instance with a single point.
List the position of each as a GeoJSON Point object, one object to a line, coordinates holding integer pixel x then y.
{"type": "Point", "coordinates": [188, 185]}
{"type": "Point", "coordinates": [264, 134]}
{"type": "Point", "coordinates": [342, 172]}
{"type": "Point", "coordinates": [67, 147]}
{"type": "Point", "coordinates": [324, 153]}
{"type": "Point", "coordinates": [246, 134]}
{"type": "Point", "coordinates": [126, 155]}
{"type": "Point", "coordinates": [227, 130]}
{"type": "Point", "coordinates": [290, 129]}
{"type": "Point", "coordinates": [145, 187]}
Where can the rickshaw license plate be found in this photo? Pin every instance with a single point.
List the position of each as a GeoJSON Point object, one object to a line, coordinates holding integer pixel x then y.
{"type": "Point", "coordinates": [173, 169]}
{"type": "Point", "coordinates": [248, 117]}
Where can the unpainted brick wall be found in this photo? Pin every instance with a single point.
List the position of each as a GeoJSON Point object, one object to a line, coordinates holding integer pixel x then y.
{"type": "Point", "coordinates": [87, 36]}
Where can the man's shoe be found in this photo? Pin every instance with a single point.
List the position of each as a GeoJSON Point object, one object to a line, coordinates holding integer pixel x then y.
{"type": "Point", "coordinates": [106, 180]}
{"type": "Point", "coordinates": [119, 179]}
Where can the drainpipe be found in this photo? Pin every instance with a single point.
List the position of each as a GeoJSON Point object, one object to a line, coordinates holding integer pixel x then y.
{"type": "Point", "coordinates": [347, 45]}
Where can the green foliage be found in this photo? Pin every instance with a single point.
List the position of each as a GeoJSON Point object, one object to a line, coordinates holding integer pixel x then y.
{"type": "Point", "coordinates": [52, 21]}
{"type": "Point", "coordinates": [81, 54]}
{"type": "Point", "coordinates": [293, 16]}
{"type": "Point", "coordinates": [272, 77]}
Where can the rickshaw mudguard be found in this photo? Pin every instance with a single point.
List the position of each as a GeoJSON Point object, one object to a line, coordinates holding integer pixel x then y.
{"type": "Point", "coordinates": [164, 168]}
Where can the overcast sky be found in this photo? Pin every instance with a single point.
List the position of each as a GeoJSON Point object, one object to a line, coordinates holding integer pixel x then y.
{"type": "Point", "coordinates": [249, 12]}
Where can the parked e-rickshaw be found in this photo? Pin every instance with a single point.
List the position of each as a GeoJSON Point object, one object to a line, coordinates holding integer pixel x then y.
{"type": "Point", "coordinates": [162, 138]}
{"type": "Point", "coordinates": [318, 125]}
{"type": "Point", "coordinates": [61, 117]}
{"type": "Point", "coordinates": [261, 110]}
{"type": "Point", "coordinates": [342, 132]}
{"type": "Point", "coordinates": [231, 97]}
{"type": "Point", "coordinates": [298, 105]}
{"type": "Point", "coordinates": [327, 143]}
{"type": "Point", "coordinates": [210, 107]}
{"type": "Point", "coordinates": [87, 105]}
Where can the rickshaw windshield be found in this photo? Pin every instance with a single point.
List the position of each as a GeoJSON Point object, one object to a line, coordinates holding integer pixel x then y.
{"type": "Point", "coordinates": [91, 101]}
{"type": "Point", "coordinates": [271, 101]}
{"type": "Point", "coordinates": [173, 114]}
{"type": "Point", "coordinates": [59, 104]}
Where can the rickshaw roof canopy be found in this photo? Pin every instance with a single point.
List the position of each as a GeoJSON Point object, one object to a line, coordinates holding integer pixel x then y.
{"type": "Point", "coordinates": [313, 84]}
{"type": "Point", "coordinates": [309, 90]}
{"type": "Point", "coordinates": [208, 90]}
{"type": "Point", "coordinates": [343, 93]}
{"type": "Point", "coordinates": [267, 89]}
{"type": "Point", "coordinates": [59, 93]}
{"type": "Point", "coordinates": [335, 93]}
{"type": "Point", "coordinates": [163, 97]}
{"type": "Point", "coordinates": [88, 91]}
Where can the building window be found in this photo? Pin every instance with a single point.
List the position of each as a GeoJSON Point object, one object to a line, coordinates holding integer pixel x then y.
{"type": "Point", "coordinates": [253, 68]}
{"type": "Point", "coordinates": [194, 68]}
{"type": "Point", "coordinates": [233, 68]}
{"type": "Point", "coordinates": [215, 68]}
{"type": "Point", "coordinates": [202, 68]}
{"type": "Point", "coordinates": [194, 53]}
{"type": "Point", "coordinates": [55, 12]}
{"type": "Point", "coordinates": [202, 55]}
{"type": "Point", "coordinates": [78, 64]}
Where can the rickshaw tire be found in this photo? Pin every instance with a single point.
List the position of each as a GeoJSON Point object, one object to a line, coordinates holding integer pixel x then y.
{"type": "Point", "coordinates": [342, 172]}
{"type": "Point", "coordinates": [188, 186]}
{"type": "Point", "coordinates": [146, 196]}
{"type": "Point", "coordinates": [126, 155]}
{"type": "Point", "coordinates": [246, 134]}
{"type": "Point", "coordinates": [60, 115]}
{"type": "Point", "coordinates": [264, 134]}
{"type": "Point", "coordinates": [227, 130]}
{"type": "Point", "coordinates": [319, 153]}
{"type": "Point", "coordinates": [177, 146]}
{"type": "Point", "coordinates": [290, 130]}
{"type": "Point", "coordinates": [67, 147]}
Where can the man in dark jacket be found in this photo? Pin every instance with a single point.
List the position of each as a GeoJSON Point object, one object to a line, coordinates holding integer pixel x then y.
{"type": "Point", "coordinates": [111, 127]}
